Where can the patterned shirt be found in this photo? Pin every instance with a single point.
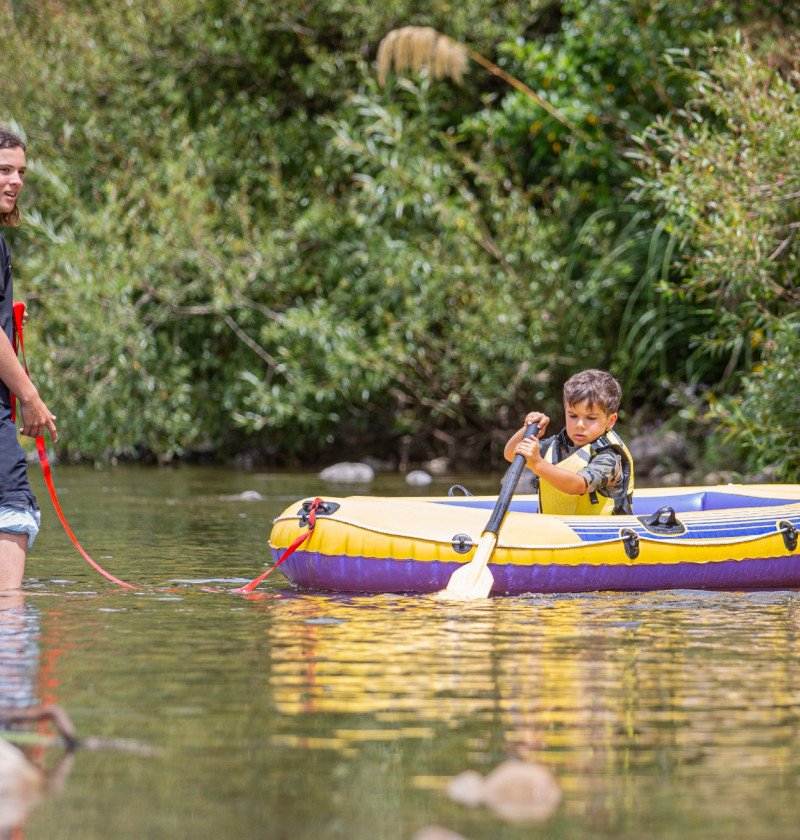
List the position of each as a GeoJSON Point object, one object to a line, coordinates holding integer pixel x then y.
{"type": "Point", "coordinates": [601, 474]}
{"type": "Point", "coordinates": [603, 471]}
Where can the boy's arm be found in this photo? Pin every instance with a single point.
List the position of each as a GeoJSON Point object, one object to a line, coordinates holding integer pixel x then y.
{"type": "Point", "coordinates": [567, 482]}
{"type": "Point", "coordinates": [603, 471]}
{"type": "Point", "coordinates": [36, 417]}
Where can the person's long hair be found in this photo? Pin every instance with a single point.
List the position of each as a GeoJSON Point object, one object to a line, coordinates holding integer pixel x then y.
{"type": "Point", "coordinates": [10, 141]}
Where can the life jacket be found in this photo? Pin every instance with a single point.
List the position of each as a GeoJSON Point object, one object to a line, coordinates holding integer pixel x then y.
{"type": "Point", "coordinates": [614, 499]}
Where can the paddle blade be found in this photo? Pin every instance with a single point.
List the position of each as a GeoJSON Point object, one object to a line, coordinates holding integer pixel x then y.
{"type": "Point", "coordinates": [473, 580]}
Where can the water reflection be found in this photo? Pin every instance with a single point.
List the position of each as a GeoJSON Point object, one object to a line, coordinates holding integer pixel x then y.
{"type": "Point", "coordinates": [674, 693]}
{"type": "Point", "coordinates": [19, 652]}
{"type": "Point", "coordinates": [315, 715]}
{"type": "Point", "coordinates": [26, 771]}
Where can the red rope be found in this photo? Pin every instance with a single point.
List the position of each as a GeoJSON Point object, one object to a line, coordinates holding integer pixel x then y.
{"type": "Point", "coordinates": [312, 521]}
{"type": "Point", "coordinates": [45, 463]}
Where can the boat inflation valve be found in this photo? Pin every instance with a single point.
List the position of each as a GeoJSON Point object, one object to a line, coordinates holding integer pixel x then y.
{"type": "Point", "coordinates": [789, 534]}
{"type": "Point", "coordinates": [320, 508]}
{"type": "Point", "coordinates": [462, 543]}
{"type": "Point", "coordinates": [630, 539]}
{"type": "Point", "coordinates": [663, 522]}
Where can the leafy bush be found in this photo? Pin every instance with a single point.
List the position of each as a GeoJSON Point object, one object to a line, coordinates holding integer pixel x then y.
{"type": "Point", "coordinates": [725, 172]}
{"type": "Point", "coordinates": [235, 238]}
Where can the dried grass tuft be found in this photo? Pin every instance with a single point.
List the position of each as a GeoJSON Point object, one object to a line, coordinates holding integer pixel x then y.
{"type": "Point", "coordinates": [421, 48]}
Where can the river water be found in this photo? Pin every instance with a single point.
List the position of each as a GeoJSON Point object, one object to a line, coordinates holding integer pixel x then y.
{"type": "Point", "coordinates": [286, 714]}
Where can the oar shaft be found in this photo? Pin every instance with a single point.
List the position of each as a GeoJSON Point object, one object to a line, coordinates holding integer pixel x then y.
{"type": "Point", "coordinates": [509, 485]}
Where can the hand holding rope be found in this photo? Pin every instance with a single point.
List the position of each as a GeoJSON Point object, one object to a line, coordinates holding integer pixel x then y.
{"type": "Point", "coordinates": [19, 319]}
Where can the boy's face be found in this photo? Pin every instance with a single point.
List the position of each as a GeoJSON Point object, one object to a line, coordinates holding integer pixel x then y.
{"type": "Point", "coordinates": [586, 422]}
{"type": "Point", "coordinates": [12, 169]}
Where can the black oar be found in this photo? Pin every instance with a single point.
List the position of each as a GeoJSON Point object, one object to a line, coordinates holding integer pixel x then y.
{"type": "Point", "coordinates": [474, 580]}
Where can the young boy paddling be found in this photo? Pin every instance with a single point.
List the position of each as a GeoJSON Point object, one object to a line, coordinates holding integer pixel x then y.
{"type": "Point", "coordinates": [586, 468]}
{"type": "Point", "coordinates": [19, 513]}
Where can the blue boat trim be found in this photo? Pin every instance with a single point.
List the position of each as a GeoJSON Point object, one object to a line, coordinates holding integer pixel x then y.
{"type": "Point", "coordinates": [758, 516]}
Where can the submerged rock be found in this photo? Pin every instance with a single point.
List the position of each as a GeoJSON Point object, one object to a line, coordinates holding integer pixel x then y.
{"type": "Point", "coordinates": [245, 496]}
{"type": "Point", "coordinates": [518, 790]}
{"type": "Point", "coordinates": [515, 790]}
{"type": "Point", "coordinates": [348, 471]}
{"type": "Point", "coordinates": [418, 478]}
{"type": "Point", "coordinates": [467, 788]}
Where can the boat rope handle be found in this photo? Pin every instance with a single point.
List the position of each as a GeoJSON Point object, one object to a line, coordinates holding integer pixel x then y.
{"type": "Point", "coordinates": [19, 308]}
{"type": "Point", "coordinates": [312, 521]}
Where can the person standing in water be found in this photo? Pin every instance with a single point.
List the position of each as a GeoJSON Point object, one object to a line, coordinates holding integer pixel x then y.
{"type": "Point", "coordinates": [19, 513]}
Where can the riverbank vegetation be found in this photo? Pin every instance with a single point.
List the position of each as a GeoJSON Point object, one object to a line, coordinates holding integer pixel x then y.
{"type": "Point", "coordinates": [244, 233]}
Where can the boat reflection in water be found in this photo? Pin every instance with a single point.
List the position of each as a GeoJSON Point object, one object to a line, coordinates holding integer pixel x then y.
{"type": "Point", "coordinates": [605, 690]}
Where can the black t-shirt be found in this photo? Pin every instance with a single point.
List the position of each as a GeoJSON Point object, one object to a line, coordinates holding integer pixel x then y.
{"type": "Point", "coordinates": [6, 308]}
{"type": "Point", "coordinates": [14, 487]}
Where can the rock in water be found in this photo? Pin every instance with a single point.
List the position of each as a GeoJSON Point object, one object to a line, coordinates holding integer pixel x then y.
{"type": "Point", "coordinates": [519, 790]}
{"type": "Point", "coordinates": [418, 478]}
{"type": "Point", "coordinates": [515, 790]}
{"type": "Point", "coordinates": [348, 471]}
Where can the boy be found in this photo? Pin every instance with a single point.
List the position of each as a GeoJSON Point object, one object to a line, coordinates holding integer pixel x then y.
{"type": "Point", "coordinates": [19, 513]}
{"type": "Point", "coordinates": [586, 468]}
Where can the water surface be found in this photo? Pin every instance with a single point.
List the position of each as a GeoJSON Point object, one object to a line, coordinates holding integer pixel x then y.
{"type": "Point", "coordinates": [286, 714]}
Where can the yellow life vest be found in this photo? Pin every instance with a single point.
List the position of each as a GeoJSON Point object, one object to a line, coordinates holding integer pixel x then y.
{"type": "Point", "coordinates": [554, 501]}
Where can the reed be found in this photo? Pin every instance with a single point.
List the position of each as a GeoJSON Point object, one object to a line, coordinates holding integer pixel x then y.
{"type": "Point", "coordinates": [423, 48]}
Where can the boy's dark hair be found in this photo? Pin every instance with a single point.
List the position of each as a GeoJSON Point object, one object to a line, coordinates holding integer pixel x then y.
{"type": "Point", "coordinates": [8, 140]}
{"type": "Point", "coordinates": [597, 387]}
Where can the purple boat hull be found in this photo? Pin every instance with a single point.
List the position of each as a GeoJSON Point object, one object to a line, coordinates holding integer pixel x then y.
{"type": "Point", "coordinates": [731, 537]}
{"type": "Point", "coordinates": [310, 570]}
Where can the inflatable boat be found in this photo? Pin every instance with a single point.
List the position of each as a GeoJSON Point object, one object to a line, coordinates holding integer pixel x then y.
{"type": "Point", "coordinates": [723, 537]}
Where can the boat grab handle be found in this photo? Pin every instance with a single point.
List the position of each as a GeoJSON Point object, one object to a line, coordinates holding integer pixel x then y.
{"type": "Point", "coordinates": [664, 522]}
{"type": "Point", "coordinates": [452, 490]}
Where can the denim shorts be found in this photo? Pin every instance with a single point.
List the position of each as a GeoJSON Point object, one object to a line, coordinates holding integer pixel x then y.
{"type": "Point", "coordinates": [21, 521]}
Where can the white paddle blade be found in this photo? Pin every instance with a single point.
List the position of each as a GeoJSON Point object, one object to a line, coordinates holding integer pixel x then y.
{"type": "Point", "coordinates": [473, 580]}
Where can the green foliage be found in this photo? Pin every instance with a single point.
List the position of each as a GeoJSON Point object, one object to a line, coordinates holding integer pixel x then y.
{"type": "Point", "coordinates": [233, 237]}
{"type": "Point", "coordinates": [762, 422]}
{"type": "Point", "coordinates": [725, 173]}
{"type": "Point", "coordinates": [602, 66]}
